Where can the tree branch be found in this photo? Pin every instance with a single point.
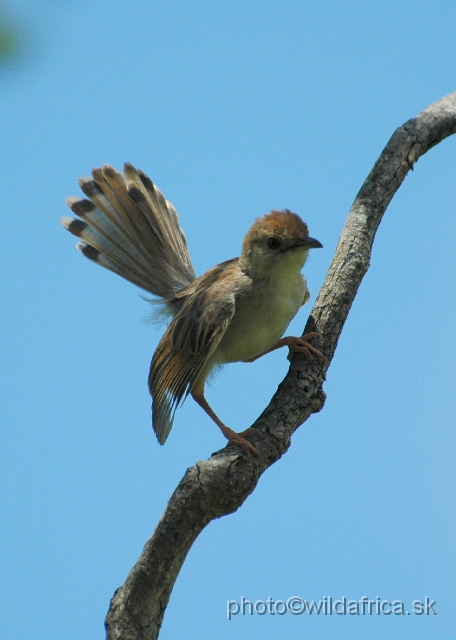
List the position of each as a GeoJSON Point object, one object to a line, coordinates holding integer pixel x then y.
{"type": "Point", "coordinates": [219, 486]}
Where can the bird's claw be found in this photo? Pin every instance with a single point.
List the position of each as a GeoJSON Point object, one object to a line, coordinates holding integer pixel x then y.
{"type": "Point", "coordinates": [302, 345]}
{"type": "Point", "coordinates": [240, 439]}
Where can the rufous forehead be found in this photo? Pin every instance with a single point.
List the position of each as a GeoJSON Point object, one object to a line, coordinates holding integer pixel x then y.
{"type": "Point", "coordinates": [284, 223]}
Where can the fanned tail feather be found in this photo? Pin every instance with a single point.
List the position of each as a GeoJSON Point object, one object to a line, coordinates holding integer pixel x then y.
{"type": "Point", "coordinates": [128, 227]}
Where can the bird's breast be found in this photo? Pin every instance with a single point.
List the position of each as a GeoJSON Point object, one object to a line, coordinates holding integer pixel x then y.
{"type": "Point", "coordinates": [263, 312]}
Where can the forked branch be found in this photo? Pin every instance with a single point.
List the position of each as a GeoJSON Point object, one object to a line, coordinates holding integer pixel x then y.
{"type": "Point", "coordinates": [218, 486]}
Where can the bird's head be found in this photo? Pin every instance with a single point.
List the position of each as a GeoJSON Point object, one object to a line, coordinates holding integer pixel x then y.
{"type": "Point", "coordinates": [279, 238]}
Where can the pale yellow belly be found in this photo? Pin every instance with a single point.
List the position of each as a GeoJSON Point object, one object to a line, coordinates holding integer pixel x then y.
{"type": "Point", "coordinates": [260, 321]}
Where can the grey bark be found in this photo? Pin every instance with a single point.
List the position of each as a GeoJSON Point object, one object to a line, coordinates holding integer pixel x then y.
{"type": "Point", "coordinates": [219, 486]}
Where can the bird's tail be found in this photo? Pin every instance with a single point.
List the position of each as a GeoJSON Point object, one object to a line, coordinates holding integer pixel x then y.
{"type": "Point", "coordinates": [127, 226]}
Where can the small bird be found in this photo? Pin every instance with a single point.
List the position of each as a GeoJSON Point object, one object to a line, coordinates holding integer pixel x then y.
{"type": "Point", "coordinates": [236, 311]}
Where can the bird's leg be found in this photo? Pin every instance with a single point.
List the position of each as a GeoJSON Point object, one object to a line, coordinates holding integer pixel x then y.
{"type": "Point", "coordinates": [295, 345]}
{"type": "Point", "coordinates": [232, 436]}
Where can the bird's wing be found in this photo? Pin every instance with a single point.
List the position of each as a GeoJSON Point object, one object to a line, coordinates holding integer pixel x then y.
{"type": "Point", "coordinates": [127, 226]}
{"type": "Point", "coordinates": [189, 341]}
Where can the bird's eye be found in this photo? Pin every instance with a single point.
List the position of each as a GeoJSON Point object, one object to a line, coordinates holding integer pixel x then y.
{"type": "Point", "coordinates": [273, 243]}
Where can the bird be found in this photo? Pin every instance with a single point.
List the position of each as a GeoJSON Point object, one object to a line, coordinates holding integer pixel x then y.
{"type": "Point", "coordinates": [237, 311]}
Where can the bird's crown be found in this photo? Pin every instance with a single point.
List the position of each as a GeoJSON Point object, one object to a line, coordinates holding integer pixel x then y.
{"type": "Point", "coordinates": [284, 225]}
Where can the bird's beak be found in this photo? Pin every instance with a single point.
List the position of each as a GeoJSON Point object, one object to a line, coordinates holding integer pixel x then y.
{"type": "Point", "coordinates": [308, 243]}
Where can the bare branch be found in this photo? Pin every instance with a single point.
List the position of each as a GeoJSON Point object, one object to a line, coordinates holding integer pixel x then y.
{"type": "Point", "coordinates": [218, 486]}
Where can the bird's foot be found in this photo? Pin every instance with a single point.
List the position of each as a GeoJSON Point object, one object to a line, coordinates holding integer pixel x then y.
{"type": "Point", "coordinates": [302, 345]}
{"type": "Point", "coordinates": [239, 439]}
{"type": "Point", "coordinates": [251, 431]}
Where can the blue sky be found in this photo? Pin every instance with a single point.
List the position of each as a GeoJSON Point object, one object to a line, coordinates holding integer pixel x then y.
{"type": "Point", "coordinates": [232, 109]}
